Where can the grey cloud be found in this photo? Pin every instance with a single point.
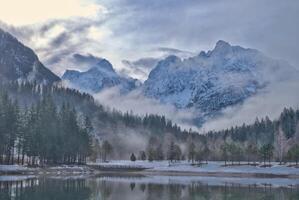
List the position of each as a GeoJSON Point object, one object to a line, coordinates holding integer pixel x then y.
{"type": "Point", "coordinates": [142, 105]}
{"type": "Point", "coordinates": [166, 51]}
{"type": "Point", "coordinates": [86, 59]}
{"type": "Point", "coordinates": [269, 102]}
{"type": "Point", "coordinates": [139, 68]}
{"type": "Point", "coordinates": [142, 63]}
{"type": "Point", "coordinates": [266, 25]}
{"type": "Point", "coordinates": [172, 50]}
{"type": "Point", "coordinates": [59, 40]}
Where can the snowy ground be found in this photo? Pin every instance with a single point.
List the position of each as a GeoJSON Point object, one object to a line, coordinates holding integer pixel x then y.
{"type": "Point", "coordinates": [12, 168]}
{"type": "Point", "coordinates": [163, 166]}
{"type": "Point", "coordinates": [59, 170]}
{"type": "Point", "coordinates": [154, 173]}
{"type": "Point", "coordinates": [211, 167]}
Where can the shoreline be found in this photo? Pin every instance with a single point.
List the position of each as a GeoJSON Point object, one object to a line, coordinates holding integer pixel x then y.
{"type": "Point", "coordinates": [89, 171]}
{"type": "Point", "coordinates": [166, 177]}
{"type": "Point", "coordinates": [222, 174]}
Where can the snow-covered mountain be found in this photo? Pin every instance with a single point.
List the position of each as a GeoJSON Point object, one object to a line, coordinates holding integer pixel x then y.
{"type": "Point", "coordinates": [99, 77]}
{"type": "Point", "coordinates": [18, 62]}
{"type": "Point", "coordinates": [213, 80]}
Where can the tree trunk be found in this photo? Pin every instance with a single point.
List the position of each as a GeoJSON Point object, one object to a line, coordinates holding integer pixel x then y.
{"type": "Point", "coordinates": [12, 158]}
{"type": "Point", "coordinates": [23, 156]}
{"type": "Point", "coordinates": [264, 161]}
{"type": "Point", "coordinates": [18, 159]}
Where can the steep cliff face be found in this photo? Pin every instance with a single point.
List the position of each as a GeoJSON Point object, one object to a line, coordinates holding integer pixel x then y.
{"type": "Point", "coordinates": [18, 62]}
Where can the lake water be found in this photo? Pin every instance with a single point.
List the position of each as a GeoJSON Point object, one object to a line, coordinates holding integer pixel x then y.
{"type": "Point", "coordinates": [147, 187]}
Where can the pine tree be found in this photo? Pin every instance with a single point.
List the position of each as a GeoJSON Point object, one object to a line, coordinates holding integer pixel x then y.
{"type": "Point", "coordinates": [107, 150]}
{"type": "Point", "coordinates": [171, 152]}
{"type": "Point", "coordinates": [293, 153]}
{"type": "Point", "coordinates": [142, 155]}
{"type": "Point", "coordinates": [225, 149]}
{"type": "Point", "coordinates": [133, 157]}
{"type": "Point", "coordinates": [191, 152]}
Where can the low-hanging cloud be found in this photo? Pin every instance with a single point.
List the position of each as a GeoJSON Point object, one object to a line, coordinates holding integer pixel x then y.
{"type": "Point", "coordinates": [141, 67]}
{"type": "Point", "coordinates": [141, 105]}
{"type": "Point", "coordinates": [268, 102]}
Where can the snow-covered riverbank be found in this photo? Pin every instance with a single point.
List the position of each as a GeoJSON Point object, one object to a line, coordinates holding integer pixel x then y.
{"type": "Point", "coordinates": [163, 167]}
{"type": "Point", "coordinates": [211, 167]}
{"type": "Point", "coordinates": [14, 169]}
{"type": "Point", "coordinates": [58, 170]}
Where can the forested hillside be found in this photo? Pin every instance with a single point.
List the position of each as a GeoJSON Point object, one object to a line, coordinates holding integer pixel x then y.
{"type": "Point", "coordinates": [263, 141]}
{"type": "Point", "coordinates": [42, 133]}
{"type": "Point", "coordinates": [53, 125]}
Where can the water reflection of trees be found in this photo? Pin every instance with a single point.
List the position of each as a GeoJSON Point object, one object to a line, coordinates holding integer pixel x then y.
{"type": "Point", "coordinates": [155, 191]}
{"type": "Point", "coordinates": [45, 189]}
{"type": "Point", "coordinates": [240, 192]}
{"type": "Point", "coordinates": [194, 191]}
{"type": "Point", "coordinates": [93, 189]}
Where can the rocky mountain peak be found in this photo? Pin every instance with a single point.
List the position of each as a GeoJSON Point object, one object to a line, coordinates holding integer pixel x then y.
{"type": "Point", "coordinates": [104, 65]}
{"type": "Point", "coordinates": [98, 77]}
{"type": "Point", "coordinates": [212, 81]}
{"type": "Point", "coordinates": [222, 48]}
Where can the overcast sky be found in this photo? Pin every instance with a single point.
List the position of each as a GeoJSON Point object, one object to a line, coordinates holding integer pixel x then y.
{"type": "Point", "coordinates": [119, 30]}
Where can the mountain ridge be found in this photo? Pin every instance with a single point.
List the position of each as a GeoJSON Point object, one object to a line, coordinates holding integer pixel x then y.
{"type": "Point", "coordinates": [214, 80]}
{"type": "Point", "coordinates": [99, 77]}
{"type": "Point", "coordinates": [19, 63]}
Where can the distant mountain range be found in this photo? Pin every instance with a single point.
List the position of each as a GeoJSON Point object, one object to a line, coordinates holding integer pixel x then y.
{"type": "Point", "coordinates": [99, 77]}
{"type": "Point", "coordinates": [207, 82]}
{"type": "Point", "coordinates": [213, 80]}
{"type": "Point", "coordinates": [20, 63]}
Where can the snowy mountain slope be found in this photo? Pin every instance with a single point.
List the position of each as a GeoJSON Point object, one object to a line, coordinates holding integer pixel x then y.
{"type": "Point", "coordinates": [18, 62]}
{"type": "Point", "coordinates": [99, 77]}
{"type": "Point", "coordinates": [216, 79]}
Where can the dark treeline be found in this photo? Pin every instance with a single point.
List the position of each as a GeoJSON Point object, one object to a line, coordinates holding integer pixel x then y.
{"type": "Point", "coordinates": [42, 134]}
